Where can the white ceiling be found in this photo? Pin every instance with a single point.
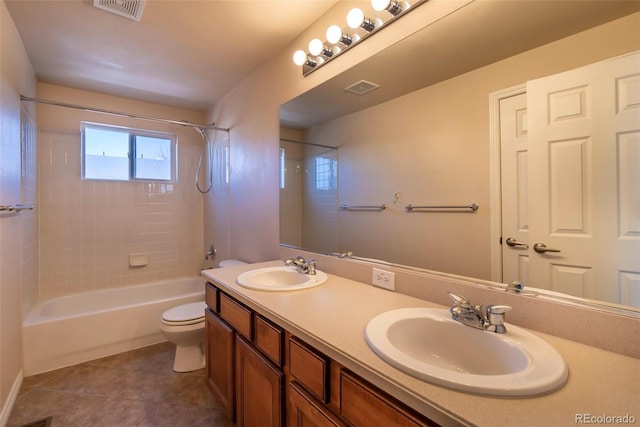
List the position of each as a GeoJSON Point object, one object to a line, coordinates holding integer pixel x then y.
{"type": "Point", "coordinates": [182, 53]}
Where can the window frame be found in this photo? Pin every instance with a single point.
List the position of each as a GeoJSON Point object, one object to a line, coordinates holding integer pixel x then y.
{"type": "Point", "coordinates": [326, 173]}
{"type": "Point", "coordinates": [283, 168]}
{"type": "Point", "coordinates": [132, 134]}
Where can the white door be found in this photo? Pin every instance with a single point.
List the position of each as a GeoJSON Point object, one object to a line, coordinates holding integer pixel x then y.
{"type": "Point", "coordinates": [584, 181]}
{"type": "Point", "coordinates": [514, 173]}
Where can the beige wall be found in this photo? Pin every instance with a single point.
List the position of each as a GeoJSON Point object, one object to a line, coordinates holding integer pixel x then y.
{"type": "Point", "coordinates": [17, 249]}
{"type": "Point", "coordinates": [432, 147]}
{"type": "Point", "coordinates": [89, 228]}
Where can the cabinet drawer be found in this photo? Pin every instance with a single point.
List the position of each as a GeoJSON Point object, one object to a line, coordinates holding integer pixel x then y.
{"type": "Point", "coordinates": [236, 315]}
{"type": "Point", "coordinates": [211, 297]}
{"type": "Point", "coordinates": [309, 368]}
{"type": "Point", "coordinates": [269, 339]}
{"type": "Point", "coordinates": [363, 405]}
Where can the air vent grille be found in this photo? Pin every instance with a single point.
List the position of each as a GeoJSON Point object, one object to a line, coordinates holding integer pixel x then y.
{"type": "Point", "coordinates": [361, 87]}
{"type": "Point", "coordinates": [131, 9]}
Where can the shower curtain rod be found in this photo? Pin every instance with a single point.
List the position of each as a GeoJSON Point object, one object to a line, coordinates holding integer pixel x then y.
{"type": "Point", "coordinates": [212, 126]}
{"type": "Point", "coordinates": [308, 143]}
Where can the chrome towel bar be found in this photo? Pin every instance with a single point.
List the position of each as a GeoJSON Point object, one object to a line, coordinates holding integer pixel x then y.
{"type": "Point", "coordinates": [473, 207]}
{"type": "Point", "coordinates": [363, 207]}
{"type": "Point", "coordinates": [15, 208]}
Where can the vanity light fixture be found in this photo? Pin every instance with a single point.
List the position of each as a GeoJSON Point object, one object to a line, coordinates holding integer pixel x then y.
{"type": "Point", "coordinates": [301, 58]}
{"type": "Point", "coordinates": [391, 6]}
{"type": "Point", "coordinates": [335, 36]}
{"type": "Point", "coordinates": [338, 41]}
{"type": "Point", "coordinates": [317, 48]}
{"type": "Point", "coordinates": [356, 19]}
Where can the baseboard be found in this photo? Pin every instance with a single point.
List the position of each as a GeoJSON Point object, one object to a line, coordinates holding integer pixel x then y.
{"type": "Point", "coordinates": [11, 399]}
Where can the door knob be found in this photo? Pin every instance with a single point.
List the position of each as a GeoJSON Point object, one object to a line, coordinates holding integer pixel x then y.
{"type": "Point", "coordinates": [542, 248]}
{"type": "Point", "coordinates": [515, 244]}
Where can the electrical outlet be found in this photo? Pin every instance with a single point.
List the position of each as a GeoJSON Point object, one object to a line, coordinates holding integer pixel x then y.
{"type": "Point", "coordinates": [384, 279]}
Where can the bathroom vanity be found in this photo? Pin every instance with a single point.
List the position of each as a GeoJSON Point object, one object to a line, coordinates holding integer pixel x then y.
{"type": "Point", "coordinates": [257, 368]}
{"type": "Point", "coordinates": [300, 358]}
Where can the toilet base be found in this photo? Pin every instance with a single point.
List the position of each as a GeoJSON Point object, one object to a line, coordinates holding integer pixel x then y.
{"type": "Point", "coordinates": [189, 358]}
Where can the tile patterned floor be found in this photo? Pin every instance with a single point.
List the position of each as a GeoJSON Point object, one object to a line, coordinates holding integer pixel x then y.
{"type": "Point", "coordinates": [133, 389]}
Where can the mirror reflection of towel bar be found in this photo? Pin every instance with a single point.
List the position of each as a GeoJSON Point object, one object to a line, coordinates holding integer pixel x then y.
{"type": "Point", "coordinates": [411, 208]}
{"type": "Point", "coordinates": [363, 207]}
{"type": "Point", "coordinates": [15, 208]}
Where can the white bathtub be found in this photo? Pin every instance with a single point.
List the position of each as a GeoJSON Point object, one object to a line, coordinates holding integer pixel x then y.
{"type": "Point", "coordinates": [77, 328]}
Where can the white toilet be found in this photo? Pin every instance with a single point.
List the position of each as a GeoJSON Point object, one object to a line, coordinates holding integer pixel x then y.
{"type": "Point", "coordinates": [184, 326]}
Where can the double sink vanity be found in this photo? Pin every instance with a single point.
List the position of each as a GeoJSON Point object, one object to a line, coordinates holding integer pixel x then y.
{"type": "Point", "coordinates": [300, 347]}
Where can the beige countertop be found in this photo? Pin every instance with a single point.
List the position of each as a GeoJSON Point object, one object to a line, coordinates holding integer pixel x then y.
{"type": "Point", "coordinates": [332, 317]}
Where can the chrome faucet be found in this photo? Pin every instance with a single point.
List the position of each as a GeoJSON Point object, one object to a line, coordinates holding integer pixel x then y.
{"type": "Point", "coordinates": [491, 320]}
{"type": "Point", "coordinates": [302, 266]}
{"type": "Point", "coordinates": [347, 254]}
{"type": "Point", "coordinates": [515, 287]}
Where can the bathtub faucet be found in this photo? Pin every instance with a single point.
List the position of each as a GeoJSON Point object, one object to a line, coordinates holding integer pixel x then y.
{"type": "Point", "coordinates": [211, 254]}
{"type": "Point", "coordinates": [302, 266]}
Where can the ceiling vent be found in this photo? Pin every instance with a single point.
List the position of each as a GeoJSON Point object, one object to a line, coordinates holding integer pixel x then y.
{"type": "Point", "coordinates": [361, 87]}
{"type": "Point", "coordinates": [131, 9]}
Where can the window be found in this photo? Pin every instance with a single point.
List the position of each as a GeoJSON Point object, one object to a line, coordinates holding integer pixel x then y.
{"type": "Point", "coordinates": [326, 173]}
{"type": "Point", "coordinates": [123, 154]}
{"type": "Point", "coordinates": [283, 169]}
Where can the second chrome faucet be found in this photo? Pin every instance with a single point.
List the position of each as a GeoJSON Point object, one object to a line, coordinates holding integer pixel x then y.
{"type": "Point", "coordinates": [492, 319]}
{"type": "Point", "coordinates": [302, 266]}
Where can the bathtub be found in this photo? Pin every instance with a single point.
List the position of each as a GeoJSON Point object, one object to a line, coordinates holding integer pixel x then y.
{"type": "Point", "coordinates": [67, 330]}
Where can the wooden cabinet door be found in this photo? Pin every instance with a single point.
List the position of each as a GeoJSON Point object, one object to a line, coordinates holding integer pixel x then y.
{"type": "Point", "coordinates": [306, 411]}
{"type": "Point", "coordinates": [220, 360]}
{"type": "Point", "coordinates": [259, 389]}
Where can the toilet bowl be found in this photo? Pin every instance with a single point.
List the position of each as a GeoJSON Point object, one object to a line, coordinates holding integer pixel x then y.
{"type": "Point", "coordinates": [184, 326]}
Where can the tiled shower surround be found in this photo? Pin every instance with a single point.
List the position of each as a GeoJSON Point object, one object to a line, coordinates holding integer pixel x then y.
{"type": "Point", "coordinates": [29, 218]}
{"type": "Point", "coordinates": [88, 229]}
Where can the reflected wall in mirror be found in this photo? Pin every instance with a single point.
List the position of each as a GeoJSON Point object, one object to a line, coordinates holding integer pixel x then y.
{"type": "Point", "coordinates": [431, 146]}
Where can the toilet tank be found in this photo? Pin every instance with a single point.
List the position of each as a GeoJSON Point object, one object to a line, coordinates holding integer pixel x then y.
{"type": "Point", "coordinates": [230, 263]}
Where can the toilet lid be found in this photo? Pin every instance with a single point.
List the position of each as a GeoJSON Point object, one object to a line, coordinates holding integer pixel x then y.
{"type": "Point", "coordinates": [185, 312]}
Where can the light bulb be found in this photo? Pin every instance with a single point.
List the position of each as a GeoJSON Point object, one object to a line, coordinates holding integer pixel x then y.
{"type": "Point", "coordinates": [300, 57]}
{"type": "Point", "coordinates": [380, 5]}
{"type": "Point", "coordinates": [355, 18]}
{"type": "Point", "coordinates": [391, 6]}
{"type": "Point", "coordinates": [316, 47]}
{"type": "Point", "coordinates": [334, 34]}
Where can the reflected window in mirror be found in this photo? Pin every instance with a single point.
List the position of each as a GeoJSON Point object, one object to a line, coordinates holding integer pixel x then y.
{"type": "Point", "coordinates": [326, 173]}
{"type": "Point", "coordinates": [308, 195]}
{"type": "Point", "coordinates": [282, 169]}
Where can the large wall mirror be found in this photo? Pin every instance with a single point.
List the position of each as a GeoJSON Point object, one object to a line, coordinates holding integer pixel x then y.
{"type": "Point", "coordinates": [450, 101]}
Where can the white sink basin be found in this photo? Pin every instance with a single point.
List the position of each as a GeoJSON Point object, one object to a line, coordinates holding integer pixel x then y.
{"type": "Point", "coordinates": [427, 344]}
{"type": "Point", "coordinates": [279, 279]}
